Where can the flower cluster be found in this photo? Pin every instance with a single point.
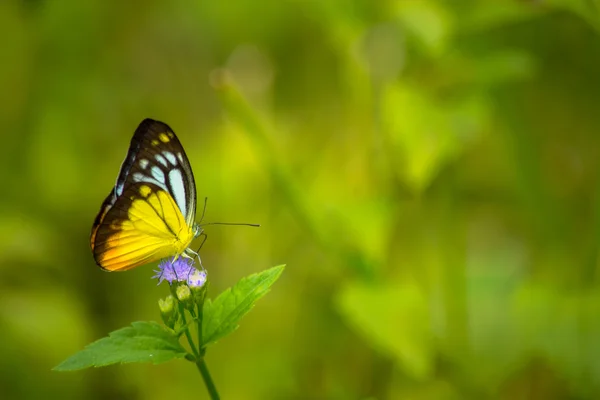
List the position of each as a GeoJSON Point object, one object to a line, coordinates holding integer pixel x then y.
{"type": "Point", "coordinates": [180, 270]}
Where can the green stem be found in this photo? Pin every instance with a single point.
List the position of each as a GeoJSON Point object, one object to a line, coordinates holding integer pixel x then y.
{"type": "Point", "coordinates": [200, 363]}
{"type": "Point", "coordinates": [199, 322]}
{"type": "Point", "coordinates": [210, 386]}
{"type": "Point", "coordinates": [187, 332]}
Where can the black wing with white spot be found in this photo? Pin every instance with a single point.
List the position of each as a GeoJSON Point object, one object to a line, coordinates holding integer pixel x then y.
{"type": "Point", "coordinates": [156, 156]}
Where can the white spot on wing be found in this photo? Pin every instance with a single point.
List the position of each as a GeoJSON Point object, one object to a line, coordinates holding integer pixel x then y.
{"type": "Point", "coordinates": [144, 163]}
{"type": "Point", "coordinates": [158, 174]}
{"type": "Point", "coordinates": [170, 157]}
{"type": "Point", "coordinates": [138, 177]}
{"type": "Point", "coordinates": [180, 156]}
{"type": "Point", "coordinates": [176, 181]}
{"type": "Point", "coordinates": [161, 160]}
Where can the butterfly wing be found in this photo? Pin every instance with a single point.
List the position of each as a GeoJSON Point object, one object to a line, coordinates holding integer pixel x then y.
{"type": "Point", "coordinates": [150, 212]}
{"type": "Point", "coordinates": [156, 155]}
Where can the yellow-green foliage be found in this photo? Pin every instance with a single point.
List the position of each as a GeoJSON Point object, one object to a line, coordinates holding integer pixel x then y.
{"type": "Point", "coordinates": [427, 170]}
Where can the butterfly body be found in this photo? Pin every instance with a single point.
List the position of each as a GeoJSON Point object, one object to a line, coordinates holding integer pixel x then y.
{"type": "Point", "coordinates": [150, 212]}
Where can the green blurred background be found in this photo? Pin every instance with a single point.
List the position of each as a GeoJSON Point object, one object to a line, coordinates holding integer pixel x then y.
{"type": "Point", "coordinates": [426, 169]}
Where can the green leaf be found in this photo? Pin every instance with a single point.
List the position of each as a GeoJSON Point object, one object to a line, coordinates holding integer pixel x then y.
{"type": "Point", "coordinates": [142, 342]}
{"type": "Point", "coordinates": [425, 132]}
{"type": "Point", "coordinates": [221, 317]}
{"type": "Point", "coordinates": [428, 22]}
{"type": "Point", "coordinates": [395, 319]}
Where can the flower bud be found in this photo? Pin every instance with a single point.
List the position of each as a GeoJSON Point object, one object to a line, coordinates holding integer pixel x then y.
{"type": "Point", "coordinates": [197, 279]}
{"type": "Point", "coordinates": [184, 294]}
{"type": "Point", "coordinates": [168, 311]}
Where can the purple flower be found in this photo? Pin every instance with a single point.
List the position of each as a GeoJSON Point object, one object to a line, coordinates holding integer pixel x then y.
{"type": "Point", "coordinates": [197, 279]}
{"type": "Point", "coordinates": [180, 270]}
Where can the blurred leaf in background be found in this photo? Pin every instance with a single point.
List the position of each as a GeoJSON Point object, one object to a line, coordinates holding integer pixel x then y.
{"type": "Point", "coordinates": [427, 170]}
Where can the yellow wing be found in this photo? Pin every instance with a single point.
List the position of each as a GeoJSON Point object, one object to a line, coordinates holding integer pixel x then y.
{"type": "Point", "coordinates": [142, 225]}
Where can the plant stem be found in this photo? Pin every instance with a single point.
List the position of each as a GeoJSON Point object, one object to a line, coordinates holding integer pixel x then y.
{"type": "Point", "coordinates": [200, 363]}
{"type": "Point", "coordinates": [200, 308]}
{"type": "Point", "coordinates": [210, 386]}
{"type": "Point", "coordinates": [187, 332]}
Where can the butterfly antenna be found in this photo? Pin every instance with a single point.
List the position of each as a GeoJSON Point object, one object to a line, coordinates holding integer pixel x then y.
{"type": "Point", "coordinates": [231, 223]}
{"type": "Point", "coordinates": [205, 236]}
{"type": "Point", "coordinates": [220, 223]}
{"type": "Point", "coordinates": [204, 209]}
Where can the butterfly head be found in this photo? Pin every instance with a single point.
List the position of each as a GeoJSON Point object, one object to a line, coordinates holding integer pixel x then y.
{"type": "Point", "coordinates": [197, 229]}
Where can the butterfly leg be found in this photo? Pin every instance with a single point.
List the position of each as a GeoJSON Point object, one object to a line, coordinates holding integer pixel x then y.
{"type": "Point", "coordinates": [191, 255]}
{"type": "Point", "coordinates": [195, 254]}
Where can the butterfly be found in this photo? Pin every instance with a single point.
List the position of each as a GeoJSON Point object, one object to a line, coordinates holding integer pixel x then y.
{"type": "Point", "coordinates": [150, 212]}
